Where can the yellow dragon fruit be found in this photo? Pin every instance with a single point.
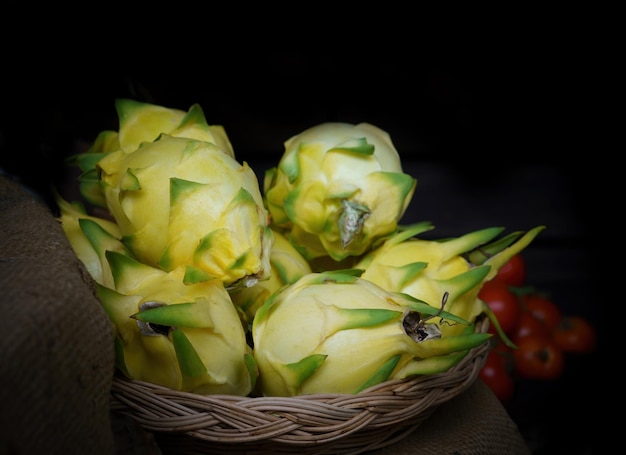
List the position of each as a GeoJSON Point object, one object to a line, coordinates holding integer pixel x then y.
{"type": "Point", "coordinates": [142, 122]}
{"type": "Point", "coordinates": [90, 237]}
{"type": "Point", "coordinates": [337, 189]}
{"type": "Point", "coordinates": [334, 332]}
{"type": "Point", "coordinates": [182, 202]}
{"type": "Point", "coordinates": [184, 336]}
{"type": "Point", "coordinates": [178, 195]}
{"type": "Point", "coordinates": [428, 269]}
{"type": "Point", "coordinates": [181, 336]}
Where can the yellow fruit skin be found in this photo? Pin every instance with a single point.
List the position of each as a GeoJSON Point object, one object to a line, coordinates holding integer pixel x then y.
{"type": "Point", "coordinates": [89, 250]}
{"type": "Point", "coordinates": [141, 122]}
{"type": "Point", "coordinates": [207, 321]}
{"type": "Point", "coordinates": [337, 189]}
{"type": "Point", "coordinates": [181, 202]}
{"type": "Point", "coordinates": [336, 333]}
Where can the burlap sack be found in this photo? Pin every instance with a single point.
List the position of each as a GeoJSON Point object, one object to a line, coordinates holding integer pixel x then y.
{"type": "Point", "coordinates": [56, 345]}
{"type": "Point", "coordinates": [474, 423]}
{"type": "Point", "coordinates": [58, 361]}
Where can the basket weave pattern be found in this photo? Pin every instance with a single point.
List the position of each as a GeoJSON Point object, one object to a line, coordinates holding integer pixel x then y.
{"type": "Point", "coordinates": [321, 423]}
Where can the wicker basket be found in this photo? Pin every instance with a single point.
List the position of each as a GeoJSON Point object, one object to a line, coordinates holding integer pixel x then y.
{"type": "Point", "coordinates": [311, 424]}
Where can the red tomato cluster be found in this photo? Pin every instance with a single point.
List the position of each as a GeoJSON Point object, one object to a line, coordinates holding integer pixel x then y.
{"type": "Point", "coordinates": [535, 335]}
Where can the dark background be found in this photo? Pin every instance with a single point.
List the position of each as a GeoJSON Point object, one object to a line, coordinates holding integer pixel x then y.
{"type": "Point", "coordinates": [501, 136]}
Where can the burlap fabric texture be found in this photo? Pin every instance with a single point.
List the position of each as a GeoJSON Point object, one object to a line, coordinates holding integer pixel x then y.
{"type": "Point", "coordinates": [56, 347]}
{"type": "Point", "coordinates": [57, 359]}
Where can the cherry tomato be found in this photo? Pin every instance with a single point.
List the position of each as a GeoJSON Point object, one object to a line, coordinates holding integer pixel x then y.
{"type": "Point", "coordinates": [575, 334]}
{"type": "Point", "coordinates": [529, 326]}
{"type": "Point", "coordinates": [513, 272]}
{"type": "Point", "coordinates": [543, 309]}
{"type": "Point", "coordinates": [538, 358]}
{"type": "Point", "coordinates": [496, 377]}
{"type": "Point", "coordinates": [504, 304]}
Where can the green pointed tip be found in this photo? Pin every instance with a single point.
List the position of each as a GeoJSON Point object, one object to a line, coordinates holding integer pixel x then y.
{"type": "Point", "coordinates": [504, 247]}
{"type": "Point", "coordinates": [480, 255]}
{"type": "Point", "coordinates": [431, 365]}
{"type": "Point", "coordinates": [75, 208]}
{"type": "Point", "coordinates": [269, 179]}
{"type": "Point", "coordinates": [354, 318]}
{"type": "Point", "coordinates": [118, 307]}
{"type": "Point", "coordinates": [406, 232]}
{"type": "Point", "coordinates": [240, 261]}
{"type": "Point", "coordinates": [472, 241]}
{"type": "Point", "coordinates": [447, 345]}
{"type": "Point", "coordinates": [100, 239]}
{"type": "Point", "coordinates": [290, 165]}
{"type": "Point", "coordinates": [355, 145]}
{"type": "Point", "coordinates": [129, 181]}
{"type": "Point", "coordinates": [126, 106]}
{"type": "Point", "coordinates": [405, 274]}
{"type": "Point", "coordinates": [190, 363]}
{"type": "Point", "coordinates": [87, 162]}
{"type": "Point", "coordinates": [92, 192]}
{"type": "Point", "coordinates": [383, 373]}
{"type": "Point", "coordinates": [466, 281]}
{"type": "Point", "coordinates": [191, 314]}
{"type": "Point", "coordinates": [127, 272]}
{"type": "Point", "coordinates": [404, 183]}
{"type": "Point", "coordinates": [195, 115]}
{"type": "Point", "coordinates": [296, 373]}
{"type": "Point", "coordinates": [194, 275]}
{"type": "Point", "coordinates": [506, 252]}
{"type": "Point", "coordinates": [179, 188]}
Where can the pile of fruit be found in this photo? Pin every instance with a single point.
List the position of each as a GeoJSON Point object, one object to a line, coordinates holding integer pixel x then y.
{"type": "Point", "coordinates": [308, 284]}
{"type": "Point", "coordinates": [537, 335]}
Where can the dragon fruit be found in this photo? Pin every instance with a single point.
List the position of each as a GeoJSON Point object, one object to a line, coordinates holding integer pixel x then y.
{"type": "Point", "coordinates": [334, 332]}
{"type": "Point", "coordinates": [337, 189]}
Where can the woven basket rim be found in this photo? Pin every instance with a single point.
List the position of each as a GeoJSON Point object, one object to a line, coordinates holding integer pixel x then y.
{"type": "Point", "coordinates": [372, 418]}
